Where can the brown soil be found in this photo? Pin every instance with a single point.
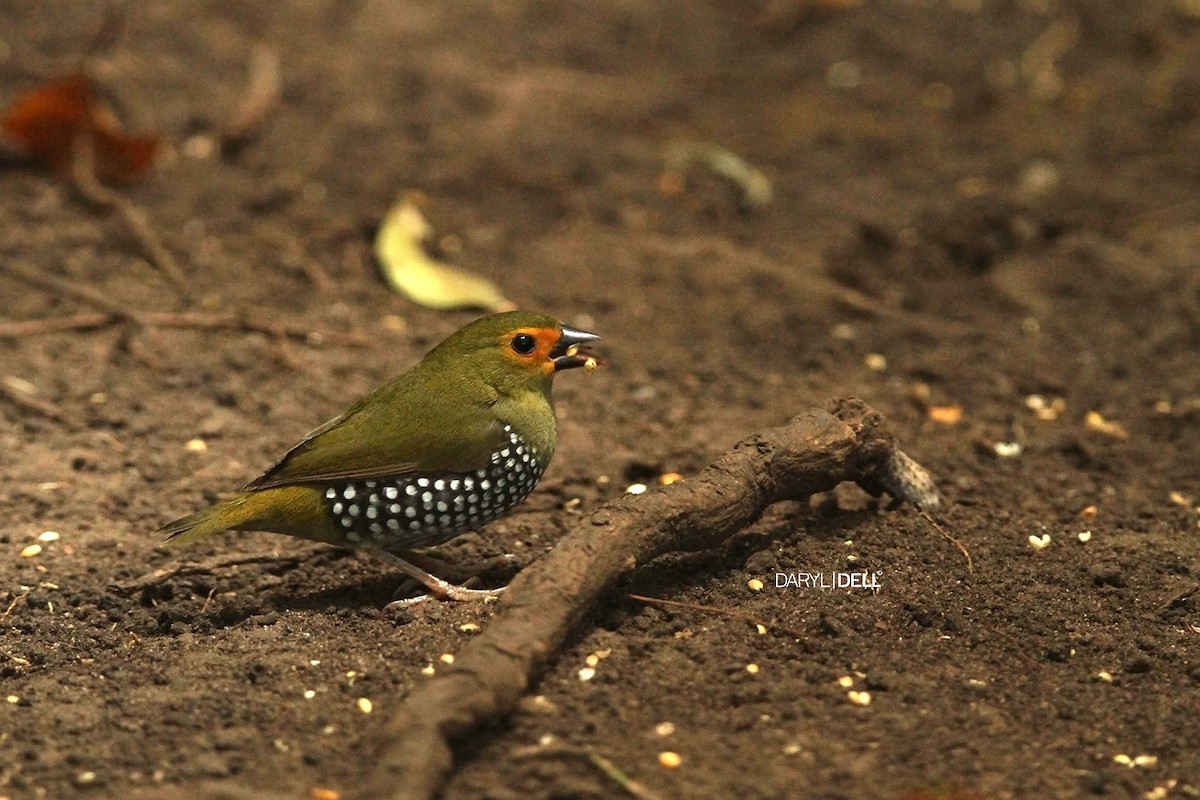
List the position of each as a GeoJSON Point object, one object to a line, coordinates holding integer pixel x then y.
{"type": "Point", "coordinates": [1012, 186]}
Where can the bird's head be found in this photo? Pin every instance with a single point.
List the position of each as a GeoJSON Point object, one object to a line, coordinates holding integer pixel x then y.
{"type": "Point", "coordinates": [516, 350]}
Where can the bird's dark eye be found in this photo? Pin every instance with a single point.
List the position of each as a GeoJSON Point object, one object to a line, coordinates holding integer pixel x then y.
{"type": "Point", "coordinates": [523, 344]}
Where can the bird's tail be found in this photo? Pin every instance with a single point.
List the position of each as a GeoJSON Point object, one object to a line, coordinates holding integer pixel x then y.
{"type": "Point", "coordinates": [229, 515]}
{"type": "Point", "coordinates": [294, 510]}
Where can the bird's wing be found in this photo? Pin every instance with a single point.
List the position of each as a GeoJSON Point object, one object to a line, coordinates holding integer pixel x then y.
{"type": "Point", "coordinates": [370, 441]}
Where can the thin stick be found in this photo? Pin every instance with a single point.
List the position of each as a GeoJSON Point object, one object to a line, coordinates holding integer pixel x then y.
{"type": "Point", "coordinates": [23, 400]}
{"type": "Point", "coordinates": [83, 176]}
{"type": "Point", "coordinates": [64, 286]}
{"type": "Point", "coordinates": [160, 576]}
{"type": "Point", "coordinates": [632, 787]}
{"type": "Point", "coordinates": [263, 95]}
{"type": "Point", "coordinates": [951, 539]}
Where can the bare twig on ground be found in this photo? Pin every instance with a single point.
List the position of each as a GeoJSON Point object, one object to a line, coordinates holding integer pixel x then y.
{"type": "Point", "coordinates": [83, 177]}
{"type": "Point", "coordinates": [161, 576]}
{"type": "Point", "coordinates": [549, 599]}
{"type": "Point", "coordinates": [806, 278]}
{"type": "Point", "coordinates": [114, 312]}
{"type": "Point", "coordinates": [610, 770]}
{"type": "Point", "coordinates": [12, 391]}
{"type": "Point", "coordinates": [264, 92]}
{"type": "Point", "coordinates": [961, 547]}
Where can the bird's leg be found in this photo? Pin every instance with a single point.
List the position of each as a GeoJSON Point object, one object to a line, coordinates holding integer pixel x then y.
{"type": "Point", "coordinates": [439, 588]}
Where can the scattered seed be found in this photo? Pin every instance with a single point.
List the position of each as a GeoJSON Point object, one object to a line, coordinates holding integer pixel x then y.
{"type": "Point", "coordinates": [1085, 536]}
{"type": "Point", "coordinates": [667, 478]}
{"type": "Point", "coordinates": [469, 627]}
{"type": "Point", "coordinates": [393, 323]}
{"type": "Point", "coordinates": [1095, 421]}
{"type": "Point", "coordinates": [48, 536]}
{"type": "Point", "coordinates": [12, 699]}
{"type": "Point", "coordinates": [1045, 409]}
{"type": "Point", "coordinates": [1145, 761]}
{"type": "Point", "coordinates": [1104, 675]}
{"type": "Point", "coordinates": [320, 793]}
{"type": "Point", "coordinates": [859, 698]}
{"type": "Point", "coordinates": [546, 740]}
{"type": "Point", "coordinates": [365, 705]}
{"type": "Point", "coordinates": [587, 673]}
{"type": "Point", "coordinates": [635, 488]}
{"type": "Point", "coordinates": [196, 445]}
{"type": "Point", "coordinates": [762, 629]}
{"type": "Point", "coordinates": [752, 669]}
{"type": "Point", "coordinates": [573, 504]}
{"type": "Point", "coordinates": [446, 658]}
{"type": "Point", "coordinates": [876, 362]}
{"type": "Point", "coordinates": [592, 660]}
{"type": "Point", "coordinates": [1088, 513]}
{"type": "Point", "coordinates": [846, 681]}
{"type": "Point", "coordinates": [31, 551]}
{"type": "Point", "coordinates": [1039, 542]}
{"type": "Point", "coordinates": [86, 778]}
{"type": "Point", "coordinates": [309, 694]}
{"type": "Point", "coordinates": [670, 760]}
{"type": "Point", "coordinates": [1179, 499]}
{"type": "Point", "coordinates": [1008, 449]}
{"type": "Point", "coordinates": [791, 749]}
{"type": "Point", "coordinates": [945, 415]}
{"type": "Point", "coordinates": [314, 662]}
{"type": "Point", "coordinates": [428, 670]}
{"type": "Point", "coordinates": [755, 585]}
{"type": "Point", "coordinates": [664, 728]}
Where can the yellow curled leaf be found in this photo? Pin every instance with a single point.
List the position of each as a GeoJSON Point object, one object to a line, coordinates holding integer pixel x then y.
{"type": "Point", "coordinates": [410, 271]}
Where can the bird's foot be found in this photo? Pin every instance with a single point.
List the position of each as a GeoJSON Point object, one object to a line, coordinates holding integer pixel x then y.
{"type": "Point", "coordinates": [449, 592]}
{"type": "Point", "coordinates": [439, 588]}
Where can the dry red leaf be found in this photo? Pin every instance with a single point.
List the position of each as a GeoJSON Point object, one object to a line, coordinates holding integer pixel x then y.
{"type": "Point", "coordinates": [48, 121]}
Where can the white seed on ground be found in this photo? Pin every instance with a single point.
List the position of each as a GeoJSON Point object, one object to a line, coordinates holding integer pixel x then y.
{"type": "Point", "coordinates": [446, 658]}
{"type": "Point", "coordinates": [12, 699]}
{"type": "Point", "coordinates": [1085, 536]}
{"type": "Point", "coordinates": [1039, 542]}
{"type": "Point", "coordinates": [48, 536]}
{"type": "Point", "coordinates": [587, 673]}
{"type": "Point", "coordinates": [755, 585]}
{"type": "Point", "coordinates": [1104, 675]}
{"type": "Point", "coordinates": [635, 488]}
{"type": "Point", "coordinates": [762, 629]}
{"type": "Point", "coordinates": [876, 362]}
{"type": "Point", "coordinates": [196, 445]}
{"type": "Point", "coordinates": [1008, 449]}
{"type": "Point", "coordinates": [309, 694]}
{"type": "Point", "coordinates": [846, 681]}
{"type": "Point", "coordinates": [31, 551]}
{"type": "Point", "coordinates": [428, 670]}
{"type": "Point", "coordinates": [753, 669]}
{"type": "Point", "coordinates": [365, 705]}
{"type": "Point", "coordinates": [670, 760]}
{"type": "Point", "coordinates": [664, 729]}
{"type": "Point", "coordinates": [859, 698]}
{"type": "Point", "coordinates": [469, 627]}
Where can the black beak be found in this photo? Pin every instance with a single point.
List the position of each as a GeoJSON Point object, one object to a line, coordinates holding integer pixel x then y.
{"type": "Point", "coordinates": [569, 353]}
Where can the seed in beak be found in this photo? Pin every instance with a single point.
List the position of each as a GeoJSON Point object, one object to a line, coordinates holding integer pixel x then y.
{"type": "Point", "coordinates": [572, 350]}
{"type": "Point", "coordinates": [590, 364]}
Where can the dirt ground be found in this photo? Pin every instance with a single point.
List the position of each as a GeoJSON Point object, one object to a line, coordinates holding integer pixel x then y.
{"type": "Point", "coordinates": [975, 202]}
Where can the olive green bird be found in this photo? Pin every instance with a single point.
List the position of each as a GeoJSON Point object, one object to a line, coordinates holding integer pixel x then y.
{"type": "Point", "coordinates": [452, 444]}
